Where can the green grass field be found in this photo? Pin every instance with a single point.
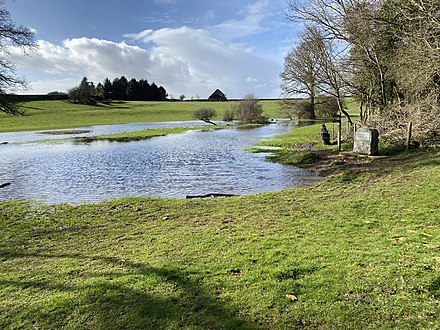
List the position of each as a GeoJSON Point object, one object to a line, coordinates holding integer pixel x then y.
{"type": "Point", "coordinates": [361, 250]}
{"type": "Point", "coordinates": [354, 255]}
{"type": "Point", "coordinates": [44, 115]}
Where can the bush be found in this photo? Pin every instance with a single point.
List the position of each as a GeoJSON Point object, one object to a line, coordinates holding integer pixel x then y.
{"type": "Point", "coordinates": [205, 114]}
{"type": "Point", "coordinates": [230, 114]}
{"type": "Point", "coordinates": [249, 111]}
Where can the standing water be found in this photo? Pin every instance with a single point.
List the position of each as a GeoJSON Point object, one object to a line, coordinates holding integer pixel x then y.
{"type": "Point", "coordinates": [193, 163]}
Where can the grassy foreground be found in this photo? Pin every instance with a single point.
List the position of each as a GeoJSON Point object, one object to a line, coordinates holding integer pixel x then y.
{"type": "Point", "coordinates": [352, 254]}
{"type": "Point", "coordinates": [46, 115]}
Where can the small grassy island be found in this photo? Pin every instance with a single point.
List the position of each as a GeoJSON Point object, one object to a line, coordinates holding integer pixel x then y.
{"type": "Point", "coordinates": [360, 249]}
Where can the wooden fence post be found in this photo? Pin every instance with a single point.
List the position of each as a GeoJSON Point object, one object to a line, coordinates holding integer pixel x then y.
{"type": "Point", "coordinates": [354, 131]}
{"type": "Point", "coordinates": [340, 132]}
{"type": "Point", "coordinates": [409, 135]}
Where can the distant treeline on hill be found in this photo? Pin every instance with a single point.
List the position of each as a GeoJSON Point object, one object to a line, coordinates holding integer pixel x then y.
{"type": "Point", "coordinates": [118, 89]}
{"type": "Point", "coordinates": [131, 90]}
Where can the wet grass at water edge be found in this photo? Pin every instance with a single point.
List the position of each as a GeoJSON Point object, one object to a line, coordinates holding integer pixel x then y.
{"type": "Point", "coordinates": [49, 115]}
{"type": "Point", "coordinates": [146, 134]}
{"type": "Point", "coordinates": [359, 254]}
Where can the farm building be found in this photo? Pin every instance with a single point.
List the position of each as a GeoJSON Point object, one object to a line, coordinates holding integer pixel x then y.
{"type": "Point", "coordinates": [217, 96]}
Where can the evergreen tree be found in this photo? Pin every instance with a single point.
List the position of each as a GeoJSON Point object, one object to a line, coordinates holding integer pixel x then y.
{"type": "Point", "coordinates": [99, 91]}
{"type": "Point", "coordinates": [132, 89]}
{"type": "Point", "coordinates": [155, 93]}
{"type": "Point", "coordinates": [108, 89]}
{"type": "Point", "coordinates": [163, 93]}
{"type": "Point", "coordinates": [120, 88]}
{"type": "Point", "coordinates": [145, 89]}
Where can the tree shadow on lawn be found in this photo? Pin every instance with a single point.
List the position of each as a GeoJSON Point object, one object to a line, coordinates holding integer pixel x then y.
{"type": "Point", "coordinates": [119, 298]}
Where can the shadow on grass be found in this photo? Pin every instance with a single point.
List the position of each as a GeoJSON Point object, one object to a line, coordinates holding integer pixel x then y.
{"type": "Point", "coordinates": [411, 160]}
{"type": "Point", "coordinates": [117, 294]}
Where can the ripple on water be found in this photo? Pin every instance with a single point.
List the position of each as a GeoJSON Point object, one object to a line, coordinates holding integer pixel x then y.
{"type": "Point", "coordinates": [172, 166]}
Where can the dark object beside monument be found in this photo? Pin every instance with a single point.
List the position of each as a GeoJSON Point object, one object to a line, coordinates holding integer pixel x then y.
{"type": "Point", "coordinates": [366, 142]}
{"type": "Point", "coordinates": [325, 135]}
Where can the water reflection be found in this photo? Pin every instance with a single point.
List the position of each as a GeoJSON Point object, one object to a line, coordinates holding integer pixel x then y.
{"type": "Point", "coordinates": [20, 137]}
{"type": "Point", "coordinates": [194, 163]}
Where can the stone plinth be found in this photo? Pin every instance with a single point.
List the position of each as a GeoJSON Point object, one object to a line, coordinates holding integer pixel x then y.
{"type": "Point", "coordinates": [366, 141]}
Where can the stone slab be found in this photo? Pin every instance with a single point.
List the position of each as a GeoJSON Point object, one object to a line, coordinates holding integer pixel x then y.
{"type": "Point", "coordinates": [366, 142]}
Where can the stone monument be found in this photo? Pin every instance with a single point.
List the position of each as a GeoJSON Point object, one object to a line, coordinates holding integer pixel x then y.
{"type": "Point", "coordinates": [366, 141]}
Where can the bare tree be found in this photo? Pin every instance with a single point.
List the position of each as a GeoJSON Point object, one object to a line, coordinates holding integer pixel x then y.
{"type": "Point", "coordinates": [386, 52]}
{"type": "Point", "coordinates": [231, 112]}
{"type": "Point", "coordinates": [415, 28]}
{"type": "Point", "coordinates": [331, 78]}
{"type": "Point", "coordinates": [417, 56]}
{"type": "Point", "coordinates": [316, 66]}
{"type": "Point", "coordinates": [16, 35]}
{"type": "Point", "coordinates": [287, 108]}
{"type": "Point", "coordinates": [353, 27]}
{"type": "Point", "coordinates": [301, 70]}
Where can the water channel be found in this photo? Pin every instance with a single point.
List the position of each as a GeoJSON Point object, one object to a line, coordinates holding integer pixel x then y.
{"type": "Point", "coordinates": [193, 163]}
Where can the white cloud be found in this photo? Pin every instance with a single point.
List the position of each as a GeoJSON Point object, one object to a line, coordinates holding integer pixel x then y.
{"type": "Point", "coordinates": [184, 60]}
{"type": "Point", "coordinates": [166, 2]}
{"type": "Point", "coordinates": [251, 79]}
{"type": "Point", "coordinates": [249, 23]}
{"type": "Point", "coordinates": [96, 59]}
{"type": "Point", "coordinates": [211, 62]}
{"type": "Point", "coordinates": [45, 86]}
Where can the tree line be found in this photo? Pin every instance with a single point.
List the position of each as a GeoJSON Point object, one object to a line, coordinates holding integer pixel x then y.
{"type": "Point", "coordinates": [382, 52]}
{"type": "Point", "coordinates": [118, 89]}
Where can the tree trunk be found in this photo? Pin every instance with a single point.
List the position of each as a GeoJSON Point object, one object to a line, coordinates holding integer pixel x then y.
{"type": "Point", "coordinates": [361, 108]}
{"type": "Point", "coordinates": [341, 109]}
{"type": "Point", "coordinates": [312, 107]}
{"type": "Point", "coordinates": [210, 122]}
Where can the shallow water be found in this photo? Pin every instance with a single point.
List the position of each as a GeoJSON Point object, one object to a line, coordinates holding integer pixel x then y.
{"type": "Point", "coordinates": [194, 163]}
{"type": "Point", "coordinates": [20, 137]}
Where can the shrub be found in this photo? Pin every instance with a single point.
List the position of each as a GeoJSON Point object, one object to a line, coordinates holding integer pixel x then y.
{"type": "Point", "coordinates": [205, 114]}
{"type": "Point", "coordinates": [230, 114]}
{"type": "Point", "coordinates": [249, 111]}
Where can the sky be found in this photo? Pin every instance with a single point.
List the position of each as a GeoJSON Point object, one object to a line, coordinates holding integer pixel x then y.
{"type": "Point", "coordinates": [191, 47]}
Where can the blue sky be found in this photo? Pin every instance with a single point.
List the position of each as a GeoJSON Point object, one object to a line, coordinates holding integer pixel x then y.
{"type": "Point", "coordinates": [191, 47]}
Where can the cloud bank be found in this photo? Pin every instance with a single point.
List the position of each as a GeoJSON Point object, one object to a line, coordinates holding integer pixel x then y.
{"type": "Point", "coordinates": [184, 60]}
